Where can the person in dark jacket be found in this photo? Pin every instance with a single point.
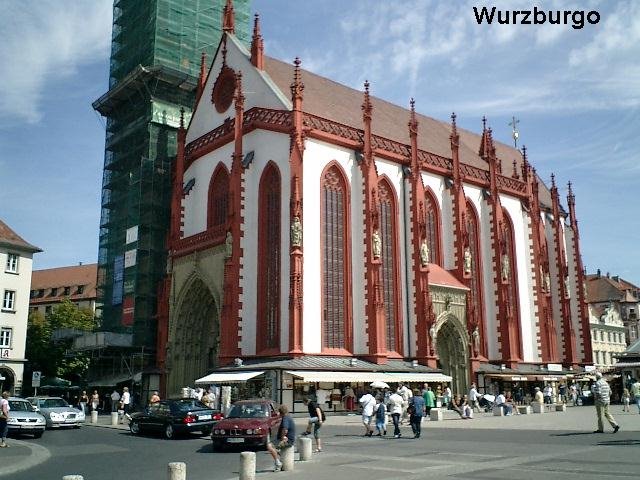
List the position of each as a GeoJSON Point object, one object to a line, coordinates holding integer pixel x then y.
{"type": "Point", "coordinates": [416, 411]}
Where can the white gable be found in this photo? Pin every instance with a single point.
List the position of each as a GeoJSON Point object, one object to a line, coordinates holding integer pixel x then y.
{"type": "Point", "coordinates": [259, 90]}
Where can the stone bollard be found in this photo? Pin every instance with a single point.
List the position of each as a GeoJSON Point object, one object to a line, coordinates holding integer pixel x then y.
{"type": "Point", "coordinates": [498, 411]}
{"type": "Point", "coordinates": [73, 477]}
{"type": "Point", "coordinates": [114, 418]}
{"type": "Point", "coordinates": [524, 409]}
{"type": "Point", "coordinates": [94, 417]}
{"type": "Point", "coordinates": [247, 465]}
{"type": "Point", "coordinates": [436, 415]}
{"type": "Point", "coordinates": [286, 456]}
{"type": "Point", "coordinates": [561, 407]}
{"type": "Point", "coordinates": [304, 448]}
{"type": "Point", "coordinates": [177, 471]}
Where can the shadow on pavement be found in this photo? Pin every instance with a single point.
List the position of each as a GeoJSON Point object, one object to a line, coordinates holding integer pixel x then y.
{"type": "Point", "coordinates": [616, 443]}
{"type": "Point", "coordinates": [571, 434]}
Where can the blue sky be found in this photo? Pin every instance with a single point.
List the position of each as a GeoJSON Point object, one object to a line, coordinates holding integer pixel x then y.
{"type": "Point", "coordinates": [575, 92]}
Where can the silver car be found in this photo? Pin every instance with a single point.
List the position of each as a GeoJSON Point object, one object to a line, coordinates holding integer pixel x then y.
{"type": "Point", "coordinates": [57, 412]}
{"type": "Point", "coordinates": [22, 418]}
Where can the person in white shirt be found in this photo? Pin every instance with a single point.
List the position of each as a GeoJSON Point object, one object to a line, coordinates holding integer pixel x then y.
{"type": "Point", "coordinates": [406, 395]}
{"type": "Point", "coordinates": [474, 398]}
{"type": "Point", "coordinates": [395, 408]}
{"type": "Point", "coordinates": [368, 402]}
{"type": "Point", "coordinates": [115, 400]}
{"type": "Point", "coordinates": [501, 401]}
{"type": "Point", "coordinates": [125, 400]}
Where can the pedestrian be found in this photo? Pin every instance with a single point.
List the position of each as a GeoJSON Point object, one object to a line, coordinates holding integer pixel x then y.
{"type": "Point", "coordinates": [474, 398]}
{"type": "Point", "coordinates": [548, 393]}
{"type": "Point", "coordinates": [285, 438]}
{"type": "Point", "coordinates": [316, 418]}
{"type": "Point", "coordinates": [538, 397]}
{"type": "Point", "coordinates": [395, 408]}
{"type": "Point", "coordinates": [380, 411]}
{"type": "Point", "coordinates": [155, 398]}
{"type": "Point", "coordinates": [125, 401]}
{"type": "Point", "coordinates": [429, 400]}
{"type": "Point", "coordinates": [635, 393]}
{"type": "Point", "coordinates": [562, 391]}
{"type": "Point", "coordinates": [84, 401]}
{"type": "Point", "coordinates": [625, 400]}
{"type": "Point", "coordinates": [501, 401]}
{"type": "Point", "coordinates": [601, 396]}
{"type": "Point", "coordinates": [4, 419]}
{"type": "Point", "coordinates": [446, 397]}
{"type": "Point", "coordinates": [115, 400]}
{"type": "Point", "coordinates": [95, 401]}
{"type": "Point", "coordinates": [573, 391]}
{"type": "Point", "coordinates": [416, 412]}
{"type": "Point", "coordinates": [406, 395]}
{"type": "Point", "coordinates": [368, 402]}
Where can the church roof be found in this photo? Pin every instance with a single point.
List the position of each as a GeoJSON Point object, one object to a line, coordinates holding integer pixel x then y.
{"type": "Point", "coordinates": [440, 276]}
{"type": "Point", "coordinates": [10, 238]}
{"type": "Point", "coordinates": [331, 100]}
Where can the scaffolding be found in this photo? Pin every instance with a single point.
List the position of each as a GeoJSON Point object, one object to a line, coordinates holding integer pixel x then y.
{"type": "Point", "coordinates": [155, 59]}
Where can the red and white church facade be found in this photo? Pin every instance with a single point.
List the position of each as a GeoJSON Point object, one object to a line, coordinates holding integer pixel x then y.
{"type": "Point", "coordinates": [313, 222]}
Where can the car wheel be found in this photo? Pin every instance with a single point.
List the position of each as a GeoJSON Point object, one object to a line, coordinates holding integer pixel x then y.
{"type": "Point", "coordinates": [134, 427]}
{"type": "Point", "coordinates": [206, 431]}
{"type": "Point", "coordinates": [168, 432]}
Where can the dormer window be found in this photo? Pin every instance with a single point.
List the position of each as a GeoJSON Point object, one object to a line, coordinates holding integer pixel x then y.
{"type": "Point", "coordinates": [67, 291]}
{"type": "Point", "coordinates": [80, 289]}
{"type": "Point", "coordinates": [54, 292]}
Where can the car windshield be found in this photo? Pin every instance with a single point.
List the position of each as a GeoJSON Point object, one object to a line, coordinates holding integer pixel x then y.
{"type": "Point", "coordinates": [53, 403]}
{"type": "Point", "coordinates": [19, 406]}
{"type": "Point", "coordinates": [189, 404]}
{"type": "Point", "coordinates": [249, 410]}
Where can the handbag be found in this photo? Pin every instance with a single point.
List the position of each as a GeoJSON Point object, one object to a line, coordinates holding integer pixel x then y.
{"type": "Point", "coordinates": [3, 416]}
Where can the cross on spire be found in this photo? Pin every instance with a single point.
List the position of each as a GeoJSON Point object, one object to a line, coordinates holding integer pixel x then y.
{"type": "Point", "coordinates": [515, 134]}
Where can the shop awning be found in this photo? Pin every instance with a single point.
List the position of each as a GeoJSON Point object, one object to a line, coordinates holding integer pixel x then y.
{"type": "Point", "coordinates": [308, 376]}
{"type": "Point", "coordinates": [368, 377]}
{"type": "Point", "coordinates": [227, 377]}
{"type": "Point", "coordinates": [417, 377]}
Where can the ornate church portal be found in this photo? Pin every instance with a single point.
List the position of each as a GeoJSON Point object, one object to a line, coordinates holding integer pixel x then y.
{"type": "Point", "coordinates": [195, 329]}
{"type": "Point", "coordinates": [453, 353]}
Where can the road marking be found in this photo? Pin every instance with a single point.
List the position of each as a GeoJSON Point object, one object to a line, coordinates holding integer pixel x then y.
{"type": "Point", "coordinates": [38, 455]}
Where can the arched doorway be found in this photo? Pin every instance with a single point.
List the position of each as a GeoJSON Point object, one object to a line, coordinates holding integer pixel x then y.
{"type": "Point", "coordinates": [194, 337]}
{"type": "Point", "coordinates": [7, 380]}
{"type": "Point", "coordinates": [453, 353]}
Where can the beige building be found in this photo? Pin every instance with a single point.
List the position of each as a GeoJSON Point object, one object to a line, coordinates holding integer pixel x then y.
{"type": "Point", "coordinates": [77, 283]}
{"type": "Point", "coordinates": [609, 306]}
{"type": "Point", "coordinates": [15, 277]}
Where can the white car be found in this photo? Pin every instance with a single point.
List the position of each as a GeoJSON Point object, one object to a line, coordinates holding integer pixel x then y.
{"type": "Point", "coordinates": [22, 418]}
{"type": "Point", "coordinates": [57, 412]}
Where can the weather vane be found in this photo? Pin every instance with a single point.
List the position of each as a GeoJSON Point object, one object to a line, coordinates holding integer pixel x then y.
{"type": "Point", "coordinates": [514, 131]}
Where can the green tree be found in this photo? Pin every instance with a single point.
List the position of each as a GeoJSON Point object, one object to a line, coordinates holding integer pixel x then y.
{"type": "Point", "coordinates": [48, 352]}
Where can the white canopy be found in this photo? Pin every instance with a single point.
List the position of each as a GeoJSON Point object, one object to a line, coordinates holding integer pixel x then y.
{"type": "Point", "coordinates": [227, 377]}
{"type": "Point", "coordinates": [366, 377]}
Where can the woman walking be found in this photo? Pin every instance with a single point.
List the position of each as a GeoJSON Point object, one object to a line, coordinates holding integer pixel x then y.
{"type": "Point", "coordinates": [4, 417]}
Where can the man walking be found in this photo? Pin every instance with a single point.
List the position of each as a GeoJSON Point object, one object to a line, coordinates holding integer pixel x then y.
{"type": "Point", "coordinates": [635, 393]}
{"type": "Point", "coordinates": [315, 420]}
{"type": "Point", "coordinates": [601, 395]}
{"type": "Point", "coordinates": [474, 398]}
{"type": "Point", "coordinates": [368, 403]}
{"type": "Point", "coordinates": [395, 407]}
{"type": "Point", "coordinates": [416, 411]}
{"type": "Point", "coordinates": [429, 399]}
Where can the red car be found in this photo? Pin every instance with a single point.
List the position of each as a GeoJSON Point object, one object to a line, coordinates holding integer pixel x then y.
{"type": "Point", "coordinates": [249, 422]}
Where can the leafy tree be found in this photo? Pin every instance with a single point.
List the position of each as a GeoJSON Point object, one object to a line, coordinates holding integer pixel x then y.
{"type": "Point", "coordinates": [49, 355]}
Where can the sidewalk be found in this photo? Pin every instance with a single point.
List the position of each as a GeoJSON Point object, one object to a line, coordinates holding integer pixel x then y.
{"type": "Point", "coordinates": [104, 421]}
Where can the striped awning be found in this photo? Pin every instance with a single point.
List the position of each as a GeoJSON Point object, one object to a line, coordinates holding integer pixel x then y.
{"type": "Point", "coordinates": [308, 376]}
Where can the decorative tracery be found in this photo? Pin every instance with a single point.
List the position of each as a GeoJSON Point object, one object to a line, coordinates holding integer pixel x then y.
{"type": "Point", "coordinates": [218, 197]}
{"type": "Point", "coordinates": [432, 227]}
{"type": "Point", "coordinates": [473, 245]}
{"type": "Point", "coordinates": [509, 274]}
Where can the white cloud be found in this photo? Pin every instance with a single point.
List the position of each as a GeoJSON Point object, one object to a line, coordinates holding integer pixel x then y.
{"type": "Point", "coordinates": [45, 41]}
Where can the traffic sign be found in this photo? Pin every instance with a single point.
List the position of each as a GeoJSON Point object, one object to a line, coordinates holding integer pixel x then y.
{"type": "Point", "coordinates": [35, 379]}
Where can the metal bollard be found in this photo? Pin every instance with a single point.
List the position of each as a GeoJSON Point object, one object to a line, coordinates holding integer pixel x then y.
{"type": "Point", "coordinates": [114, 418]}
{"type": "Point", "coordinates": [177, 471]}
{"type": "Point", "coordinates": [304, 447]}
{"type": "Point", "coordinates": [247, 465]}
{"type": "Point", "coordinates": [73, 477]}
{"type": "Point", "coordinates": [94, 417]}
{"type": "Point", "coordinates": [286, 455]}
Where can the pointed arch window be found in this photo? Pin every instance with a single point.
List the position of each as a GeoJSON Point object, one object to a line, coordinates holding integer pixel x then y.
{"type": "Point", "coordinates": [218, 203]}
{"type": "Point", "coordinates": [473, 232]}
{"type": "Point", "coordinates": [512, 275]}
{"type": "Point", "coordinates": [390, 284]}
{"type": "Point", "coordinates": [269, 218]}
{"type": "Point", "coordinates": [336, 309]}
{"type": "Point", "coordinates": [432, 223]}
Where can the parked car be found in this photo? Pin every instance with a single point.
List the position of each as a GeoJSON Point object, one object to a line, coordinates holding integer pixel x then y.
{"type": "Point", "coordinates": [249, 422]}
{"type": "Point", "coordinates": [171, 417]}
{"type": "Point", "coordinates": [57, 412]}
{"type": "Point", "coordinates": [23, 419]}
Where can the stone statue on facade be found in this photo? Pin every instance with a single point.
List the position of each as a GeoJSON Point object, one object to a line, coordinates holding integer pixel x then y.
{"type": "Point", "coordinates": [475, 335]}
{"type": "Point", "coordinates": [467, 261]}
{"type": "Point", "coordinates": [424, 253]}
{"type": "Point", "coordinates": [566, 286]}
{"type": "Point", "coordinates": [506, 268]}
{"type": "Point", "coordinates": [376, 244]}
{"type": "Point", "coordinates": [547, 282]}
{"type": "Point", "coordinates": [296, 232]}
{"type": "Point", "coordinates": [228, 245]}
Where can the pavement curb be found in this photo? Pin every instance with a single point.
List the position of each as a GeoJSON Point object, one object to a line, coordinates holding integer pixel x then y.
{"type": "Point", "coordinates": [38, 455]}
